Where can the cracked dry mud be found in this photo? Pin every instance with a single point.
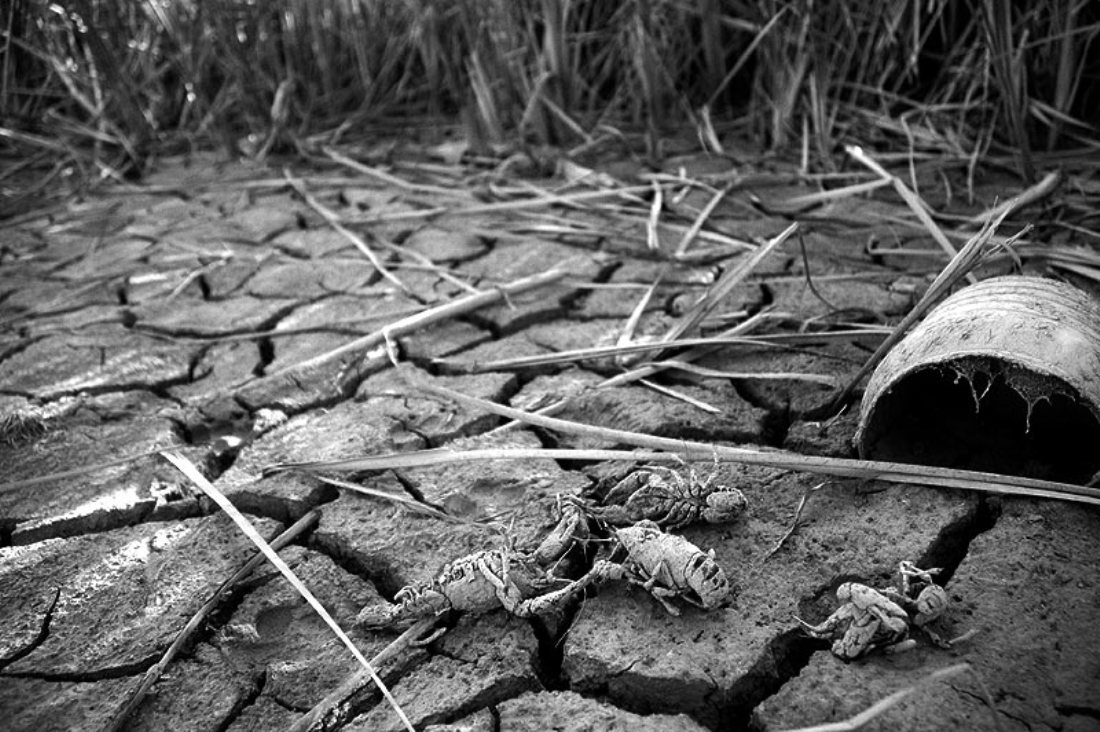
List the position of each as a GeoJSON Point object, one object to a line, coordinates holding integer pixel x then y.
{"type": "Point", "coordinates": [175, 327]}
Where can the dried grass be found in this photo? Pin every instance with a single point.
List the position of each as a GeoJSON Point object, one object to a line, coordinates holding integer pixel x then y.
{"type": "Point", "coordinates": [654, 449]}
{"type": "Point", "coordinates": [102, 84]}
{"type": "Point", "coordinates": [186, 467]}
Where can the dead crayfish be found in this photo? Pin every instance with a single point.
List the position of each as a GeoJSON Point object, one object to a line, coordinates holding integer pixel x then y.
{"type": "Point", "coordinates": [865, 620]}
{"type": "Point", "coordinates": [477, 582]}
{"type": "Point", "coordinates": [666, 566]}
{"type": "Point", "coordinates": [666, 497]}
{"type": "Point", "coordinates": [868, 619]}
{"type": "Point", "coordinates": [922, 598]}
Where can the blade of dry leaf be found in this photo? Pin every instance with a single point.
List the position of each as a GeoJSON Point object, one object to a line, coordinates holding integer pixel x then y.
{"type": "Point", "coordinates": [858, 721]}
{"type": "Point", "coordinates": [151, 676]}
{"type": "Point", "coordinates": [332, 711]}
{"type": "Point", "coordinates": [445, 311]}
{"type": "Point", "coordinates": [840, 467]}
{"type": "Point", "coordinates": [186, 467]}
{"type": "Point", "coordinates": [960, 265]}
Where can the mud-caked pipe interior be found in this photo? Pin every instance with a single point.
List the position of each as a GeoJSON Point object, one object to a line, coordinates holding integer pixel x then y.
{"type": "Point", "coordinates": [976, 419]}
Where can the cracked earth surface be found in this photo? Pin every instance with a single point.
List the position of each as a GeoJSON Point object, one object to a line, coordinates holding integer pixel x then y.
{"type": "Point", "coordinates": [168, 315]}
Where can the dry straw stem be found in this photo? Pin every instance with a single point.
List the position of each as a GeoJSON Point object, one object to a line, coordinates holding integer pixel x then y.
{"type": "Point", "coordinates": [446, 311]}
{"type": "Point", "coordinates": [673, 393]}
{"type": "Point", "coordinates": [626, 337]}
{"type": "Point", "coordinates": [652, 234]}
{"type": "Point", "coordinates": [33, 140]}
{"type": "Point", "coordinates": [392, 180]}
{"type": "Point", "coordinates": [701, 220]}
{"type": "Point", "coordinates": [1032, 194]}
{"type": "Point", "coordinates": [544, 72]}
{"type": "Point", "coordinates": [523, 204]}
{"type": "Point", "coordinates": [725, 284]}
{"type": "Point", "coordinates": [76, 472]}
{"type": "Point", "coordinates": [840, 467]}
{"type": "Point", "coordinates": [640, 373]}
{"type": "Point", "coordinates": [333, 220]}
{"type": "Point", "coordinates": [186, 467]}
{"type": "Point", "coordinates": [348, 326]}
{"type": "Point", "coordinates": [798, 204]}
{"type": "Point", "coordinates": [336, 708]}
{"type": "Point", "coordinates": [860, 720]}
{"type": "Point", "coordinates": [409, 503]}
{"type": "Point", "coordinates": [704, 129]}
{"type": "Point", "coordinates": [872, 335]}
{"type": "Point", "coordinates": [959, 266]}
{"type": "Point", "coordinates": [1010, 74]}
{"type": "Point", "coordinates": [446, 456]}
{"type": "Point", "coordinates": [821, 379]}
{"type": "Point", "coordinates": [717, 239]}
{"type": "Point", "coordinates": [676, 451]}
{"type": "Point", "coordinates": [297, 528]}
{"type": "Point", "coordinates": [918, 206]}
{"type": "Point", "coordinates": [1080, 261]}
{"type": "Point", "coordinates": [583, 354]}
{"type": "Point", "coordinates": [234, 186]}
{"type": "Point", "coordinates": [795, 521]}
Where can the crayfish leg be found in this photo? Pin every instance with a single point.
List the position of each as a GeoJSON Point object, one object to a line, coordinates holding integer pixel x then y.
{"type": "Point", "coordinates": [571, 530]}
{"type": "Point", "coordinates": [421, 642]}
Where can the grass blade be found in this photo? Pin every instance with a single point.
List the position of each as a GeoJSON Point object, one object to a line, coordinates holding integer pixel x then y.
{"type": "Point", "coordinates": [839, 467]}
{"type": "Point", "coordinates": [186, 467]}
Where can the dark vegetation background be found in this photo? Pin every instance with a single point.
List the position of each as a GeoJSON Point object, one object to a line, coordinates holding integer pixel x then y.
{"type": "Point", "coordinates": [89, 89]}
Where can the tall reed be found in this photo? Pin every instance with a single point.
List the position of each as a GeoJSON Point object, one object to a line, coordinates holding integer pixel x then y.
{"type": "Point", "coordinates": [106, 81]}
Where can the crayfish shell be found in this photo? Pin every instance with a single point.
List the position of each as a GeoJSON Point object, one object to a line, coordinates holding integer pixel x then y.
{"type": "Point", "coordinates": [1002, 376]}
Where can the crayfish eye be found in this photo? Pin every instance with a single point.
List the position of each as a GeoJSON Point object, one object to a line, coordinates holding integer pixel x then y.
{"type": "Point", "coordinates": [702, 566]}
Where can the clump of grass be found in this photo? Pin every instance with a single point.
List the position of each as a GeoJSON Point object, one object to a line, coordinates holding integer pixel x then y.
{"type": "Point", "coordinates": [103, 83]}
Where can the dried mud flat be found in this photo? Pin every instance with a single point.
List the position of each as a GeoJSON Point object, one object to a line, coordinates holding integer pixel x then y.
{"type": "Point", "coordinates": [168, 314]}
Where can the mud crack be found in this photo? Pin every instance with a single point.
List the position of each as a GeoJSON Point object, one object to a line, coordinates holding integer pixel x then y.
{"type": "Point", "coordinates": [782, 659]}
{"type": "Point", "coordinates": [951, 545]}
{"type": "Point", "coordinates": [791, 651]}
{"type": "Point", "coordinates": [778, 416]}
{"type": "Point", "coordinates": [43, 634]}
